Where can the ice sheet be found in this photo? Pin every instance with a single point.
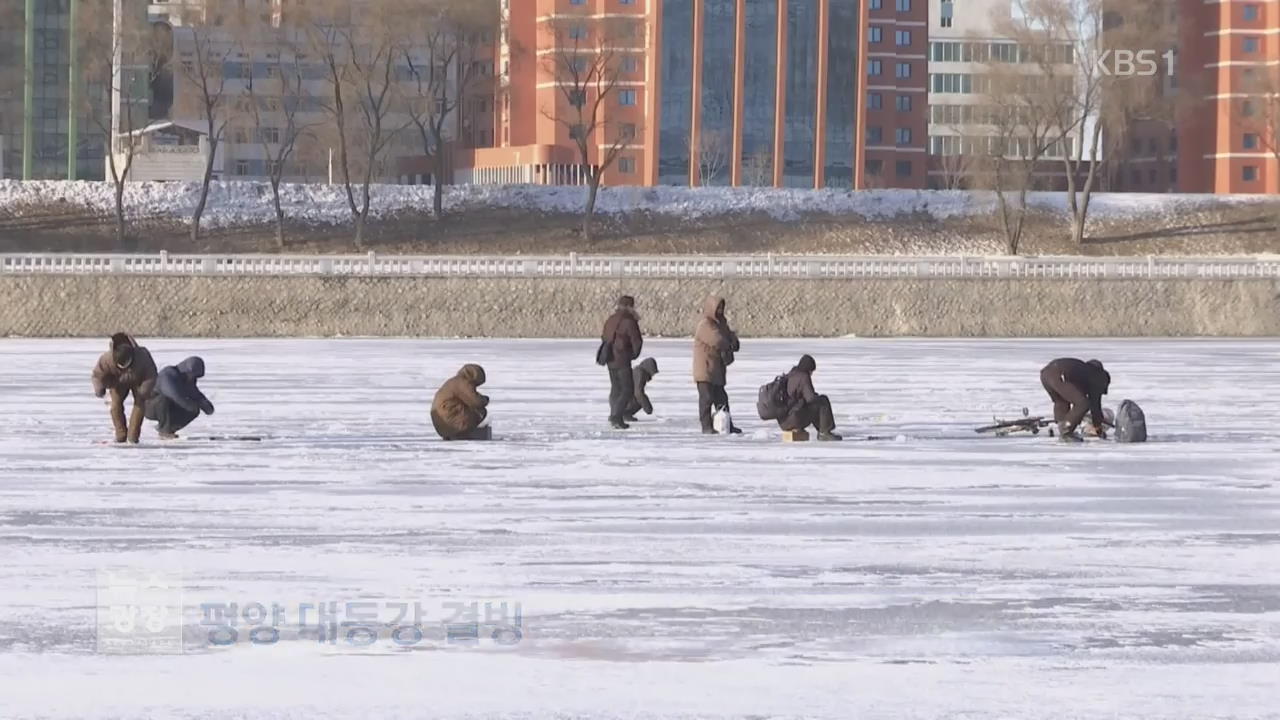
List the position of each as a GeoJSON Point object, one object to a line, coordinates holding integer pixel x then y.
{"type": "Point", "coordinates": [660, 573]}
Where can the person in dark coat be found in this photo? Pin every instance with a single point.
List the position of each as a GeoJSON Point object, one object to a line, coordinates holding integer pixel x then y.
{"type": "Point", "coordinates": [1076, 387]}
{"type": "Point", "coordinates": [644, 372]}
{"type": "Point", "coordinates": [805, 406]}
{"type": "Point", "coordinates": [714, 345]}
{"type": "Point", "coordinates": [622, 333]}
{"type": "Point", "coordinates": [458, 408]}
{"type": "Point", "coordinates": [126, 368]}
{"type": "Point", "coordinates": [178, 400]}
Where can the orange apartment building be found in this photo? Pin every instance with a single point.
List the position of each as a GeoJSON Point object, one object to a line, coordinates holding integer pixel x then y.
{"type": "Point", "coordinates": [715, 92]}
{"type": "Point", "coordinates": [1229, 59]}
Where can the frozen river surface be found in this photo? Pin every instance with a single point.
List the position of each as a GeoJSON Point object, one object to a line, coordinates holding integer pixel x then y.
{"type": "Point", "coordinates": [927, 573]}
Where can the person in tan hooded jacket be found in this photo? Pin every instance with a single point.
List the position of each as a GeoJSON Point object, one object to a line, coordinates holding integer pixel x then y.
{"type": "Point", "coordinates": [714, 344]}
{"type": "Point", "coordinates": [126, 368]}
{"type": "Point", "coordinates": [458, 409]}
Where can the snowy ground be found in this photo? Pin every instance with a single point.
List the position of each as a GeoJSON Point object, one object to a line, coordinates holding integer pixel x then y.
{"type": "Point", "coordinates": [235, 203]}
{"type": "Point", "coordinates": [659, 573]}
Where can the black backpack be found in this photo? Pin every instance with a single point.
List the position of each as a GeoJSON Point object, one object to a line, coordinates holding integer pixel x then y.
{"type": "Point", "coordinates": [772, 401]}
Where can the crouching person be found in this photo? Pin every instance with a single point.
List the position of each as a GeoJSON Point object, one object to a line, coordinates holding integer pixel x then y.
{"type": "Point", "coordinates": [644, 372]}
{"type": "Point", "coordinates": [178, 400]}
{"type": "Point", "coordinates": [1076, 388]}
{"type": "Point", "coordinates": [806, 407]}
{"type": "Point", "coordinates": [125, 369]}
{"type": "Point", "coordinates": [458, 409]}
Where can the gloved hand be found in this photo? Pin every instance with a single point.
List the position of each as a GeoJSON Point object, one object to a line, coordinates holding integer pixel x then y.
{"type": "Point", "coordinates": [207, 407]}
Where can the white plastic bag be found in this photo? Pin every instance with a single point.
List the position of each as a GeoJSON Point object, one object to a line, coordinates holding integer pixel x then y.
{"type": "Point", "coordinates": [721, 421]}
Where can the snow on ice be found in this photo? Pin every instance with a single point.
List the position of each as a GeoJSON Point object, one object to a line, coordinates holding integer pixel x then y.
{"type": "Point", "coordinates": [233, 203]}
{"type": "Point", "coordinates": [660, 573]}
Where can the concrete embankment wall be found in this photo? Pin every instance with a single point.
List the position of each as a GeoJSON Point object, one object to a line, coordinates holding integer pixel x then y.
{"type": "Point", "coordinates": [241, 306]}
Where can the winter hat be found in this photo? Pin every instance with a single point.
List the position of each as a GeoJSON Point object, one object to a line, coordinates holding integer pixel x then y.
{"type": "Point", "coordinates": [122, 350]}
{"type": "Point", "coordinates": [807, 363]}
{"type": "Point", "coordinates": [626, 301]}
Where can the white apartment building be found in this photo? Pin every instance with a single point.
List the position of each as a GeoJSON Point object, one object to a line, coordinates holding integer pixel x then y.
{"type": "Point", "coordinates": [963, 46]}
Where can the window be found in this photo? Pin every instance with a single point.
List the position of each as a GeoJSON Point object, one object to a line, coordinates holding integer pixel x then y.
{"type": "Point", "coordinates": [877, 34]}
{"type": "Point", "coordinates": [873, 67]}
{"type": "Point", "coordinates": [1135, 176]}
{"type": "Point", "coordinates": [628, 130]}
{"type": "Point", "coordinates": [630, 65]}
{"type": "Point", "coordinates": [1250, 173]}
{"type": "Point", "coordinates": [875, 167]}
{"type": "Point", "coordinates": [578, 32]}
{"type": "Point", "coordinates": [875, 134]}
{"type": "Point", "coordinates": [239, 135]}
{"type": "Point", "coordinates": [904, 5]}
{"type": "Point", "coordinates": [875, 101]}
{"type": "Point", "coordinates": [627, 97]}
{"type": "Point", "coordinates": [902, 37]}
{"type": "Point", "coordinates": [875, 4]}
{"type": "Point", "coordinates": [1250, 141]}
{"type": "Point", "coordinates": [242, 167]}
{"type": "Point", "coordinates": [577, 2]}
{"type": "Point", "coordinates": [269, 134]}
{"type": "Point", "coordinates": [1247, 108]}
{"type": "Point", "coordinates": [1250, 12]}
{"type": "Point", "coordinates": [903, 70]}
{"type": "Point", "coordinates": [1250, 44]}
{"type": "Point", "coordinates": [576, 132]}
{"type": "Point", "coordinates": [944, 20]}
{"type": "Point", "coordinates": [1151, 176]}
{"type": "Point", "coordinates": [626, 164]}
{"type": "Point", "coordinates": [904, 103]}
{"type": "Point", "coordinates": [902, 136]}
{"type": "Point", "coordinates": [626, 2]}
{"type": "Point", "coordinates": [1153, 147]}
{"type": "Point", "coordinates": [903, 168]}
{"type": "Point", "coordinates": [577, 98]}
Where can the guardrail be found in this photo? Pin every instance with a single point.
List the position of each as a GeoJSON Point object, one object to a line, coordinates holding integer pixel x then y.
{"type": "Point", "coordinates": [656, 266]}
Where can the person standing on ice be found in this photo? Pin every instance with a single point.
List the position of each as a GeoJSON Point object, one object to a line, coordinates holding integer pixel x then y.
{"type": "Point", "coordinates": [805, 406]}
{"type": "Point", "coordinates": [1076, 387]}
{"type": "Point", "coordinates": [126, 368]}
{"type": "Point", "coordinates": [458, 408]}
{"type": "Point", "coordinates": [621, 342]}
{"type": "Point", "coordinates": [714, 344]}
{"type": "Point", "coordinates": [178, 400]}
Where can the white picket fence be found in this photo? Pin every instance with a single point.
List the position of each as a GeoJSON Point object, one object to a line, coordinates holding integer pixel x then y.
{"type": "Point", "coordinates": [655, 266]}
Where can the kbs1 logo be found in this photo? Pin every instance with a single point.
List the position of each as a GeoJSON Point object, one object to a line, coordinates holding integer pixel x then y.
{"type": "Point", "coordinates": [1133, 63]}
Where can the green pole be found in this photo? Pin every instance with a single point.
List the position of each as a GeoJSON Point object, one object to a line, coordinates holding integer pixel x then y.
{"type": "Point", "coordinates": [73, 95]}
{"type": "Point", "coordinates": [28, 92]}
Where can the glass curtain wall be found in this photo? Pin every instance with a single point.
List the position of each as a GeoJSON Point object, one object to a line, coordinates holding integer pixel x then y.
{"type": "Point", "coordinates": [677, 92]}
{"type": "Point", "coordinates": [759, 92]}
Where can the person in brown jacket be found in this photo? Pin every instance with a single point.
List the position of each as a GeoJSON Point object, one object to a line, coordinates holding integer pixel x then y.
{"type": "Point", "coordinates": [622, 334]}
{"type": "Point", "coordinates": [805, 406]}
{"type": "Point", "coordinates": [126, 368]}
{"type": "Point", "coordinates": [458, 409]}
{"type": "Point", "coordinates": [714, 344]}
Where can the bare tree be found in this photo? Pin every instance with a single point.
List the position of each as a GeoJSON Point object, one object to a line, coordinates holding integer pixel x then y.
{"type": "Point", "coordinates": [1030, 111]}
{"type": "Point", "coordinates": [1077, 36]}
{"type": "Point", "coordinates": [1258, 113]}
{"type": "Point", "coordinates": [115, 63]}
{"type": "Point", "coordinates": [711, 155]}
{"type": "Point", "coordinates": [278, 107]}
{"type": "Point", "coordinates": [359, 52]}
{"type": "Point", "coordinates": [205, 47]}
{"type": "Point", "coordinates": [587, 65]}
{"type": "Point", "coordinates": [757, 167]}
{"type": "Point", "coordinates": [447, 71]}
